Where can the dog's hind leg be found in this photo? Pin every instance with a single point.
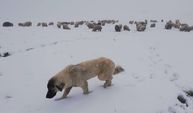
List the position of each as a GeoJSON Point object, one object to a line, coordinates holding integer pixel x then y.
{"type": "Point", "coordinates": [107, 83]}
{"type": "Point", "coordinates": [107, 78]}
{"type": "Point", "coordinates": [85, 87]}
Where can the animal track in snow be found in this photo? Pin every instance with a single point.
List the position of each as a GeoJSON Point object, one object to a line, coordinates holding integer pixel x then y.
{"type": "Point", "coordinates": [138, 77]}
{"type": "Point", "coordinates": [157, 66]}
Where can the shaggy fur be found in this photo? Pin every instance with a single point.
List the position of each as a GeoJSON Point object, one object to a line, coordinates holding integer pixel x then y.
{"type": "Point", "coordinates": [77, 76]}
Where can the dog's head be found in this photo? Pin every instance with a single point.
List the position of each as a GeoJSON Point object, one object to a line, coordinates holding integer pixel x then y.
{"type": "Point", "coordinates": [54, 85]}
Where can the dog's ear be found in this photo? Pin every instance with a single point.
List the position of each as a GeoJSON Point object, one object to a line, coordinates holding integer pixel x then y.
{"type": "Point", "coordinates": [60, 86]}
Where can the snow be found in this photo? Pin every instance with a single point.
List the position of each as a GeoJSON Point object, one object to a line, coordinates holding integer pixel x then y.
{"type": "Point", "coordinates": [157, 62]}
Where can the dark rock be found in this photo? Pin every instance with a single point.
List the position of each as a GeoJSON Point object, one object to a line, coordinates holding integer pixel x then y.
{"type": "Point", "coordinates": [181, 99]}
{"type": "Point", "coordinates": [189, 93]}
{"type": "Point", "coordinates": [6, 54]}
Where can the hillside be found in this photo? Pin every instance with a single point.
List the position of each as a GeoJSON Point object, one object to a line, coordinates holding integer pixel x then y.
{"type": "Point", "coordinates": [158, 62]}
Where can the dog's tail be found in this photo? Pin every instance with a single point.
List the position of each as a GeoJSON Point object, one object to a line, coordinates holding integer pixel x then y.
{"type": "Point", "coordinates": [118, 69]}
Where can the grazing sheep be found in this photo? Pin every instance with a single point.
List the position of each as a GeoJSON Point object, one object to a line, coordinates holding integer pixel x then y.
{"type": "Point", "coordinates": [59, 25]}
{"type": "Point", "coordinates": [141, 26]}
{"type": "Point", "coordinates": [28, 24]}
{"type": "Point", "coordinates": [20, 24]}
{"type": "Point", "coordinates": [97, 28]}
{"type": "Point", "coordinates": [177, 24]}
{"type": "Point", "coordinates": [152, 25]}
{"type": "Point", "coordinates": [118, 28]}
{"type": "Point", "coordinates": [39, 24]}
{"type": "Point", "coordinates": [90, 25]}
{"type": "Point", "coordinates": [76, 25]}
{"type": "Point", "coordinates": [25, 24]}
{"type": "Point", "coordinates": [81, 22]}
{"type": "Point", "coordinates": [51, 23]}
{"type": "Point", "coordinates": [65, 26]}
{"type": "Point", "coordinates": [44, 24]}
{"type": "Point", "coordinates": [7, 24]}
{"type": "Point", "coordinates": [185, 27]}
{"type": "Point", "coordinates": [131, 22]}
{"type": "Point", "coordinates": [169, 25]}
{"type": "Point", "coordinates": [126, 28]}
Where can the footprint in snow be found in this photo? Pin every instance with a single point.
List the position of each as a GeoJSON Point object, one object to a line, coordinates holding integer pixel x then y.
{"type": "Point", "coordinates": [29, 49]}
{"type": "Point", "coordinates": [174, 77]}
{"type": "Point", "coordinates": [8, 97]}
{"type": "Point", "coordinates": [138, 77]}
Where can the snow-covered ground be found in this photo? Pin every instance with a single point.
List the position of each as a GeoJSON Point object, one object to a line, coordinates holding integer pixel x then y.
{"type": "Point", "coordinates": [158, 63]}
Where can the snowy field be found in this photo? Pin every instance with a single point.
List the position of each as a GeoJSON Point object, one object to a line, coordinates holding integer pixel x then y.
{"type": "Point", "coordinates": [158, 63]}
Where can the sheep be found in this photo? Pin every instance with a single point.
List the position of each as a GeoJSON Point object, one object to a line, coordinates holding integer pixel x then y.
{"type": "Point", "coordinates": [44, 24]}
{"type": "Point", "coordinates": [126, 28]}
{"type": "Point", "coordinates": [141, 26]}
{"type": "Point", "coordinates": [97, 28]}
{"type": "Point", "coordinates": [51, 23]}
{"type": "Point", "coordinates": [185, 27]}
{"type": "Point", "coordinates": [118, 28]}
{"type": "Point", "coordinates": [169, 25]}
{"type": "Point", "coordinates": [65, 26]}
{"type": "Point", "coordinates": [7, 24]}
{"type": "Point", "coordinates": [90, 25]}
{"type": "Point", "coordinates": [152, 25]}
{"type": "Point", "coordinates": [25, 24]}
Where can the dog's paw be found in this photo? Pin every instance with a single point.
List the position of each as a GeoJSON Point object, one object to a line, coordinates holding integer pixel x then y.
{"type": "Point", "coordinates": [86, 93]}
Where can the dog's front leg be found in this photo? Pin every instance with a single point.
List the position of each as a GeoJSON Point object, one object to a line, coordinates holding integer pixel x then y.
{"type": "Point", "coordinates": [66, 92]}
{"type": "Point", "coordinates": [85, 87]}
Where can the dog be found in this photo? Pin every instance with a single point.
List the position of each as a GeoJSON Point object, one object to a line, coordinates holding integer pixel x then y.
{"type": "Point", "coordinates": [77, 76]}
